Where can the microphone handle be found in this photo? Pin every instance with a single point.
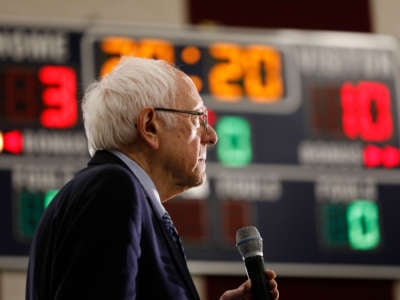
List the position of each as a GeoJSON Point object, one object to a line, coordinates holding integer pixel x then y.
{"type": "Point", "coordinates": [256, 272]}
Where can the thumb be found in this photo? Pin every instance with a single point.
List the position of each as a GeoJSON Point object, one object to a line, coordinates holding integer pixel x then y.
{"type": "Point", "coordinates": [238, 293]}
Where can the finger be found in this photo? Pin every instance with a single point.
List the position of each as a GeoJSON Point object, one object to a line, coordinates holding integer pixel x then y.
{"type": "Point", "coordinates": [270, 274]}
{"type": "Point", "coordinates": [272, 284]}
{"type": "Point", "coordinates": [238, 293]}
{"type": "Point", "coordinates": [275, 293]}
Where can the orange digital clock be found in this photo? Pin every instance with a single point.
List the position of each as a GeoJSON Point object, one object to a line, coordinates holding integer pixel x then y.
{"type": "Point", "coordinates": [227, 71]}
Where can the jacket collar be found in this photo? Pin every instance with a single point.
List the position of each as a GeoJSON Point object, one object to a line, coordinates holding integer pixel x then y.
{"type": "Point", "coordinates": [104, 157]}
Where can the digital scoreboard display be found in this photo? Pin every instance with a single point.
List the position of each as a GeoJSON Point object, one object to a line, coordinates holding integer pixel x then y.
{"type": "Point", "coordinates": [308, 126]}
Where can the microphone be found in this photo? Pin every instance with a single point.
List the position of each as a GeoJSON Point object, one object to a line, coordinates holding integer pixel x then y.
{"type": "Point", "coordinates": [250, 246]}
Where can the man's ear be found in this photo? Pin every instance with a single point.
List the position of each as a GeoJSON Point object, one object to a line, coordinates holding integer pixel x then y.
{"type": "Point", "coordinates": [147, 126]}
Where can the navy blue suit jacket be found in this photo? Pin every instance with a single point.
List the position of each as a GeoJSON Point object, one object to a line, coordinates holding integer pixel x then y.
{"type": "Point", "coordinates": [101, 239]}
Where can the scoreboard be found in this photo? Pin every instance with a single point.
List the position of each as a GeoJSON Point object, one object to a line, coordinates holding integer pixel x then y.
{"type": "Point", "coordinates": [308, 126]}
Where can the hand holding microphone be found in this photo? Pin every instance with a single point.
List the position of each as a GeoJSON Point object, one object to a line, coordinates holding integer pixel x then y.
{"type": "Point", "coordinates": [261, 283]}
{"type": "Point", "coordinates": [250, 246]}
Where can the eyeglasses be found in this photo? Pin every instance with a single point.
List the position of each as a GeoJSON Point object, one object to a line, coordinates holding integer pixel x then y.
{"type": "Point", "coordinates": [202, 115]}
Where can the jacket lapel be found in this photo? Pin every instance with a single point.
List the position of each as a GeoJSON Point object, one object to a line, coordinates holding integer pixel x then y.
{"type": "Point", "coordinates": [179, 260]}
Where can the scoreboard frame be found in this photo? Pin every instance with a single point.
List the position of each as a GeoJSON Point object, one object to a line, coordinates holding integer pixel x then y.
{"type": "Point", "coordinates": [227, 61]}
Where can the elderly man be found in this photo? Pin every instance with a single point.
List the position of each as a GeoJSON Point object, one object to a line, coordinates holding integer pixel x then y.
{"type": "Point", "coordinates": [106, 234]}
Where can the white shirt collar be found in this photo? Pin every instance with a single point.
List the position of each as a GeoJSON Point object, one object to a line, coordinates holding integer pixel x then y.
{"type": "Point", "coordinates": [144, 180]}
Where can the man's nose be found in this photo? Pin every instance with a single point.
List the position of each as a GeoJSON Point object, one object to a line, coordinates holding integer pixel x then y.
{"type": "Point", "coordinates": [210, 136]}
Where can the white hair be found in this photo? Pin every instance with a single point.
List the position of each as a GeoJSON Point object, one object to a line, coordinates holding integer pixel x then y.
{"type": "Point", "coordinates": [110, 106]}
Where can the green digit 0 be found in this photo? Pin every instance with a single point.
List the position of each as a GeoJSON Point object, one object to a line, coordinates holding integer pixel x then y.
{"type": "Point", "coordinates": [234, 146]}
{"type": "Point", "coordinates": [363, 225]}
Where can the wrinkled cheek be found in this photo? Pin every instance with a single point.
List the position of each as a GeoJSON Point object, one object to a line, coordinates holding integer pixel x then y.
{"type": "Point", "coordinates": [193, 135]}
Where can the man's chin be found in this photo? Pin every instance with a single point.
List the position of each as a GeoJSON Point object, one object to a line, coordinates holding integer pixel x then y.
{"type": "Point", "coordinates": [197, 180]}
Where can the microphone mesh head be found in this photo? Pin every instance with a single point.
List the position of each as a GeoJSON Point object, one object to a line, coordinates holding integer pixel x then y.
{"type": "Point", "coordinates": [249, 242]}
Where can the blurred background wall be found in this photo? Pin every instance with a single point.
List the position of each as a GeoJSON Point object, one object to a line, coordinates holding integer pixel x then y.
{"type": "Point", "coordinates": [378, 16]}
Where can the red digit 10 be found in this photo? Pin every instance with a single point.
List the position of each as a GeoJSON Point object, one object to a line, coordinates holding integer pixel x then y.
{"type": "Point", "coordinates": [59, 97]}
{"type": "Point", "coordinates": [366, 111]}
